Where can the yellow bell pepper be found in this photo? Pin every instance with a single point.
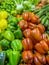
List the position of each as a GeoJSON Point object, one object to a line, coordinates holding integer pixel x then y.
{"type": "Point", "coordinates": [3, 14]}
{"type": "Point", "coordinates": [3, 24]}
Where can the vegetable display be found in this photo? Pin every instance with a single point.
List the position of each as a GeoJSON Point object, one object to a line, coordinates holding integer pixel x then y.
{"type": "Point", "coordinates": [43, 13]}
{"type": "Point", "coordinates": [10, 35]}
{"type": "Point", "coordinates": [35, 42]}
{"type": "Point", "coordinates": [24, 32]}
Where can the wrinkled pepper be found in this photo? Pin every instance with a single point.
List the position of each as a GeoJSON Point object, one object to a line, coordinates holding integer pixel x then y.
{"type": "Point", "coordinates": [16, 45]}
{"type": "Point", "coordinates": [14, 57]}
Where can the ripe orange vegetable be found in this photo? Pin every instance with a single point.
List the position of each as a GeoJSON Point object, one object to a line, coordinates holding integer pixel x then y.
{"type": "Point", "coordinates": [27, 56]}
{"type": "Point", "coordinates": [25, 16]}
{"type": "Point", "coordinates": [23, 24]}
{"type": "Point", "coordinates": [41, 28]}
{"type": "Point", "coordinates": [42, 47]}
{"type": "Point", "coordinates": [27, 33]}
{"type": "Point", "coordinates": [34, 19]}
{"type": "Point", "coordinates": [47, 41]}
{"type": "Point", "coordinates": [27, 44]}
{"type": "Point", "coordinates": [39, 59]}
{"type": "Point", "coordinates": [35, 42]}
{"type": "Point", "coordinates": [47, 59]}
{"type": "Point", "coordinates": [31, 25]}
{"type": "Point", "coordinates": [44, 36]}
{"type": "Point", "coordinates": [36, 34]}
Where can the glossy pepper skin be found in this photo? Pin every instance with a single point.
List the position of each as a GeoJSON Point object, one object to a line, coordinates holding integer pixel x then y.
{"type": "Point", "coordinates": [9, 35]}
{"type": "Point", "coordinates": [18, 34]}
{"type": "Point", "coordinates": [41, 28]}
{"type": "Point", "coordinates": [31, 26]}
{"type": "Point", "coordinates": [16, 45]}
{"type": "Point", "coordinates": [44, 37]}
{"type": "Point", "coordinates": [47, 58]}
{"type": "Point", "coordinates": [27, 33]}
{"type": "Point", "coordinates": [4, 43]}
{"type": "Point", "coordinates": [27, 56]}
{"type": "Point", "coordinates": [39, 59]}
{"type": "Point", "coordinates": [33, 18]}
{"type": "Point", "coordinates": [28, 16]}
{"type": "Point", "coordinates": [13, 56]}
{"type": "Point", "coordinates": [27, 44]}
{"type": "Point", "coordinates": [23, 24]}
{"type": "Point", "coordinates": [47, 41]}
{"type": "Point", "coordinates": [36, 34]}
{"type": "Point", "coordinates": [25, 15]}
{"type": "Point", "coordinates": [42, 47]}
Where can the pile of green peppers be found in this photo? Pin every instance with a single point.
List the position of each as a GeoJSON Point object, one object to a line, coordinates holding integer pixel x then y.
{"type": "Point", "coordinates": [10, 42]}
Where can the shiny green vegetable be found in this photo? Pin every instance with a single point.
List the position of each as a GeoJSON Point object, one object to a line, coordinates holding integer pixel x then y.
{"type": "Point", "coordinates": [11, 28]}
{"type": "Point", "coordinates": [12, 20]}
{"type": "Point", "coordinates": [13, 56]}
{"type": "Point", "coordinates": [16, 45]}
{"type": "Point", "coordinates": [18, 34]}
{"type": "Point", "coordinates": [9, 35]}
{"type": "Point", "coordinates": [4, 43]}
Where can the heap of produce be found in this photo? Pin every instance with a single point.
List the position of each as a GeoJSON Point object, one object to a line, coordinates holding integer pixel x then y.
{"type": "Point", "coordinates": [24, 32]}
{"type": "Point", "coordinates": [35, 42]}
{"type": "Point", "coordinates": [10, 39]}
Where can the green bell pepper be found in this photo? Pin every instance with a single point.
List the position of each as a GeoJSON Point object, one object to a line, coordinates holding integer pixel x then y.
{"type": "Point", "coordinates": [2, 35]}
{"type": "Point", "coordinates": [2, 57]}
{"type": "Point", "coordinates": [16, 45]}
{"type": "Point", "coordinates": [9, 35]}
{"type": "Point", "coordinates": [11, 28]}
{"type": "Point", "coordinates": [13, 56]}
{"type": "Point", "coordinates": [12, 20]}
{"type": "Point", "coordinates": [4, 43]}
{"type": "Point", "coordinates": [18, 34]}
